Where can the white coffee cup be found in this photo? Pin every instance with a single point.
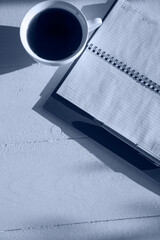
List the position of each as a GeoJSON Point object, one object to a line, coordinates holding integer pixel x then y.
{"type": "Point", "coordinates": [86, 25]}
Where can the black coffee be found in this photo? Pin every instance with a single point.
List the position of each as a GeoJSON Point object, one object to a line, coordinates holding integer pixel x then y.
{"type": "Point", "coordinates": [54, 34]}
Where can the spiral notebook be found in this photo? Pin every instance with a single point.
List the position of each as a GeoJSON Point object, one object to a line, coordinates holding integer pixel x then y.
{"type": "Point", "coordinates": [117, 79]}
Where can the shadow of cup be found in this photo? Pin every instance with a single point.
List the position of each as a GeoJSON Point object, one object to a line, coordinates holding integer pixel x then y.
{"type": "Point", "coordinates": [12, 54]}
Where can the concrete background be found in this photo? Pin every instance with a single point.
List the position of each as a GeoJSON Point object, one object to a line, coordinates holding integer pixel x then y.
{"type": "Point", "coordinates": [55, 183]}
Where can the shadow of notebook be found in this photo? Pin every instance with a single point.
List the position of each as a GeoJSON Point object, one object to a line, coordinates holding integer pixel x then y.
{"type": "Point", "coordinates": [71, 113]}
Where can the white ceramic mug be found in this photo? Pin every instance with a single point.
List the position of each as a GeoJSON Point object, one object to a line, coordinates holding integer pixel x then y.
{"type": "Point", "coordinates": [86, 25]}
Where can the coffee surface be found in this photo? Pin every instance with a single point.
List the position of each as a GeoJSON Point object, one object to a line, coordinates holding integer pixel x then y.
{"type": "Point", "coordinates": [54, 34]}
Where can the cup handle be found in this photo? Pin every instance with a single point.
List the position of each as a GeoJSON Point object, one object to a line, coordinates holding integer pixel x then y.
{"type": "Point", "coordinates": [94, 24]}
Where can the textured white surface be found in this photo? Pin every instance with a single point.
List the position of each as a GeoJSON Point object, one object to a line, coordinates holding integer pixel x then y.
{"type": "Point", "coordinates": [132, 229]}
{"type": "Point", "coordinates": [62, 182]}
{"type": "Point", "coordinates": [53, 176]}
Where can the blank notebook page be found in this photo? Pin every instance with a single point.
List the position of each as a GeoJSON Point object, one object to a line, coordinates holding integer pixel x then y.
{"type": "Point", "coordinates": [110, 95]}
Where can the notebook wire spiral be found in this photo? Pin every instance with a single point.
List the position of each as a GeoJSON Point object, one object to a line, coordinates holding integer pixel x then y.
{"type": "Point", "coordinates": [135, 75]}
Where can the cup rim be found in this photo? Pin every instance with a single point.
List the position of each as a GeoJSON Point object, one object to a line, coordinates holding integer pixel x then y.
{"type": "Point", "coordinates": [40, 7]}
